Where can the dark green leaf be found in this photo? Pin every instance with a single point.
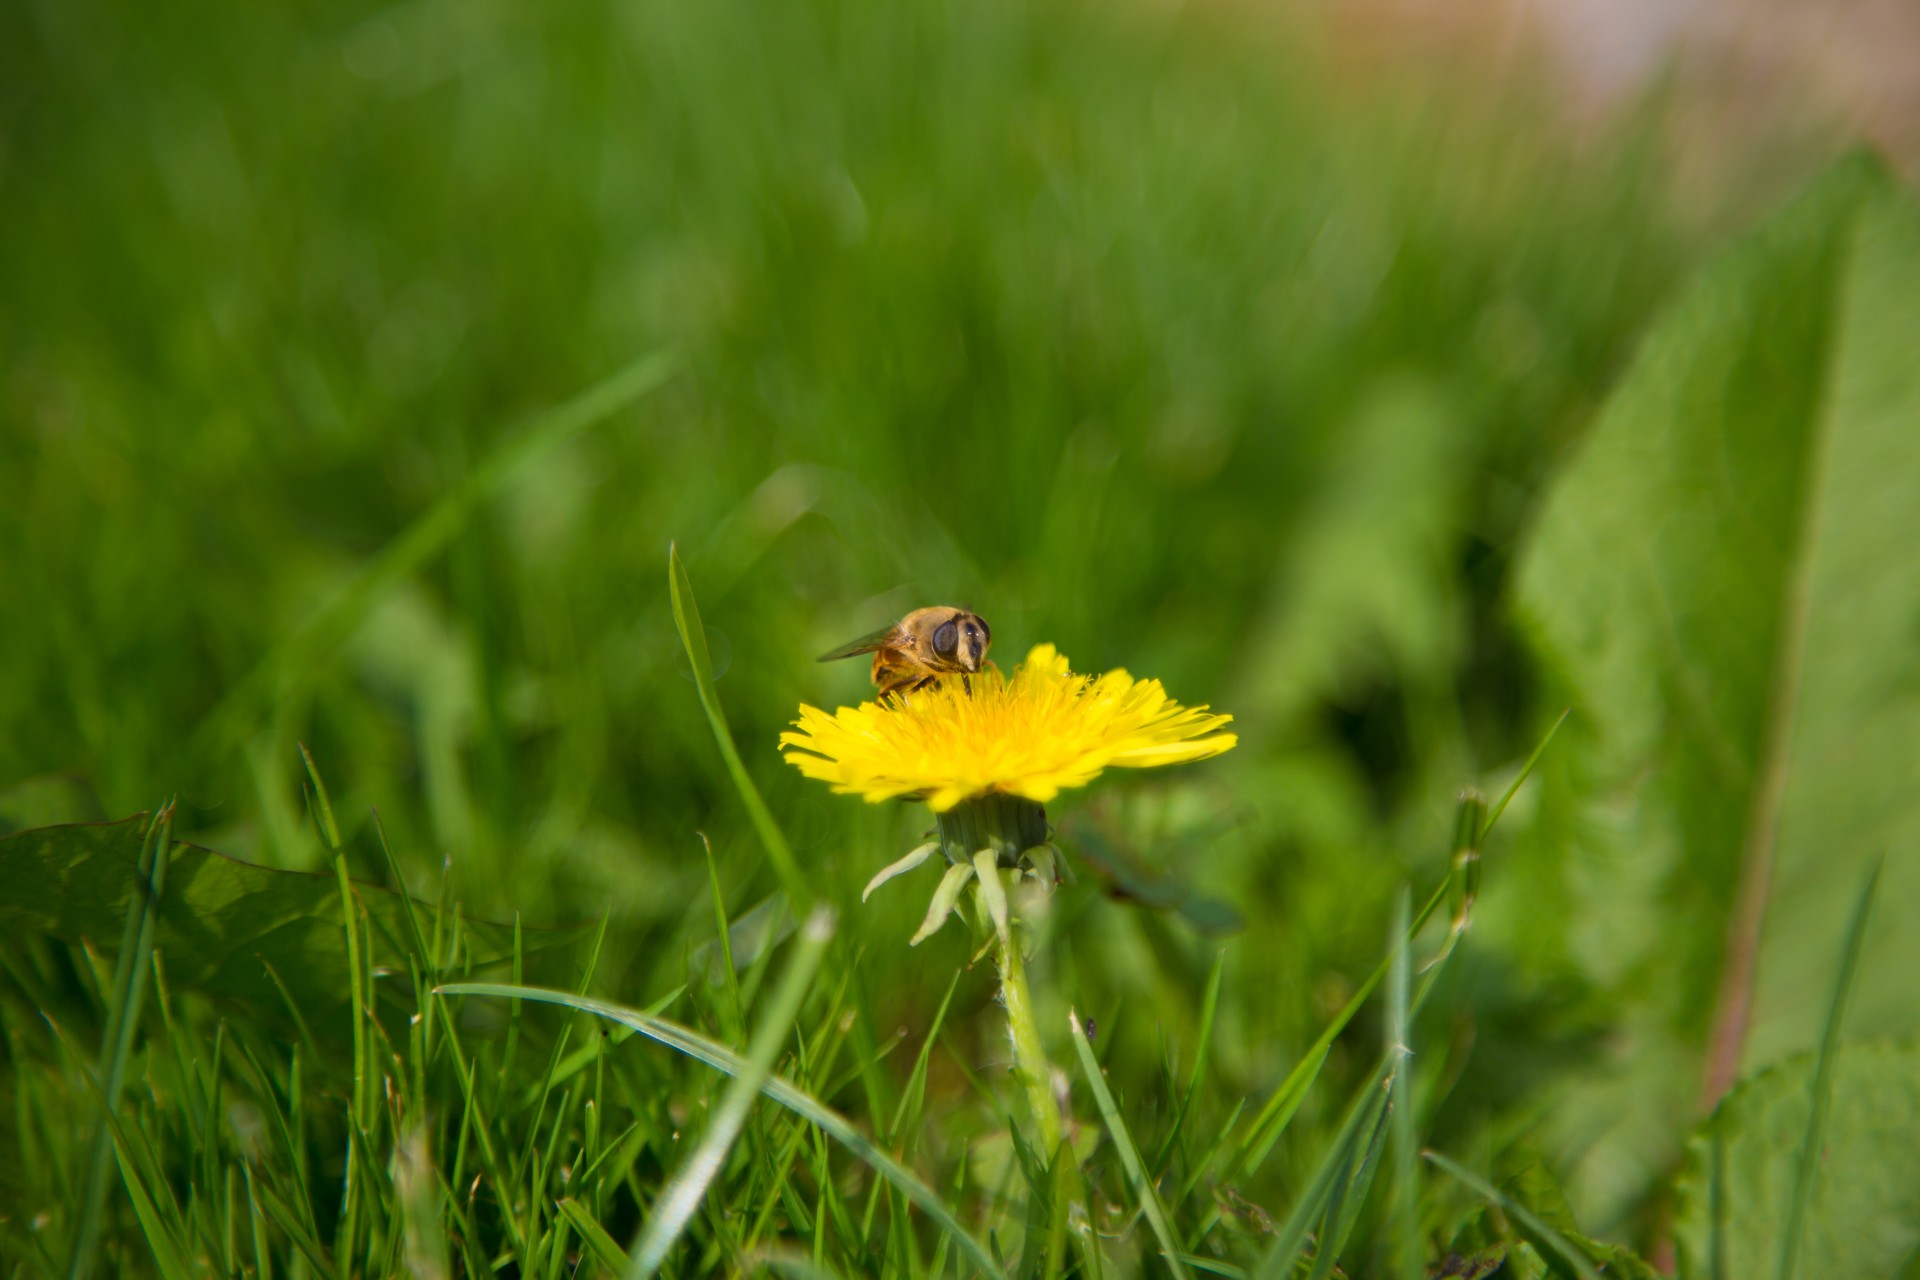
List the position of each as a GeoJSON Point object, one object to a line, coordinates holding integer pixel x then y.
{"type": "Point", "coordinates": [222, 922]}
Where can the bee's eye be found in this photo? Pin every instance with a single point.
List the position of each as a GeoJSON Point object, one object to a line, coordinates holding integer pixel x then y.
{"type": "Point", "coordinates": [986, 632]}
{"type": "Point", "coordinates": [946, 640]}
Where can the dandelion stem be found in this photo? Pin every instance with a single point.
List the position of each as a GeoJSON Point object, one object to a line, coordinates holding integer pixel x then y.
{"type": "Point", "coordinates": [1029, 1056]}
{"type": "Point", "coordinates": [992, 833]}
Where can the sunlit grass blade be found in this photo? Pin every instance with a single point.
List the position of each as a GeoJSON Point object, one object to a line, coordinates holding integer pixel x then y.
{"type": "Point", "coordinates": [693, 635]}
{"type": "Point", "coordinates": [418, 1199]}
{"type": "Point", "coordinates": [1526, 771]}
{"type": "Point", "coordinates": [1807, 1162]}
{"type": "Point", "coordinates": [721, 1058]}
{"type": "Point", "coordinates": [1405, 1218]}
{"type": "Point", "coordinates": [1129, 1154]}
{"type": "Point", "coordinates": [688, 1185]}
{"type": "Point", "coordinates": [1538, 1230]}
{"type": "Point", "coordinates": [123, 1019]}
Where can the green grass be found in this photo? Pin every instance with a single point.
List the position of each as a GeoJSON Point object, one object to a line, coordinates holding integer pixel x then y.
{"type": "Point", "coordinates": [362, 368]}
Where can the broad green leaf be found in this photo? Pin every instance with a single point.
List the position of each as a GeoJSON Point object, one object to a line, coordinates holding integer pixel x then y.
{"type": "Point", "coordinates": [1863, 1218]}
{"type": "Point", "coordinates": [226, 927]}
{"type": "Point", "coordinates": [1723, 583]}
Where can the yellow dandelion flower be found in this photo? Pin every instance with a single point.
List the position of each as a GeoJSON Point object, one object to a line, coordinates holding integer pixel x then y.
{"type": "Point", "coordinates": [1032, 734]}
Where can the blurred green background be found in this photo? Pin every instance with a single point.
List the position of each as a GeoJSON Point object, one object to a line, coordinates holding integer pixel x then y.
{"type": "Point", "coordinates": [1138, 331]}
{"type": "Point", "coordinates": [1187, 339]}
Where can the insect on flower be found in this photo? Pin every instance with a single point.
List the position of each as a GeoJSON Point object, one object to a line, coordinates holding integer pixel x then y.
{"type": "Point", "coordinates": [1028, 735]}
{"type": "Point", "coordinates": [916, 651]}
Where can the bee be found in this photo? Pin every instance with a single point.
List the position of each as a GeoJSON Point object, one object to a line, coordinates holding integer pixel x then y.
{"type": "Point", "coordinates": [923, 646]}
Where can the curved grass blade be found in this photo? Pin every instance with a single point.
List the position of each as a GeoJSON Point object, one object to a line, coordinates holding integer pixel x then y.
{"type": "Point", "coordinates": [686, 617]}
{"type": "Point", "coordinates": [1129, 1154]}
{"type": "Point", "coordinates": [1808, 1162]}
{"type": "Point", "coordinates": [1571, 1254]}
{"type": "Point", "coordinates": [689, 1184]}
{"type": "Point", "coordinates": [782, 1091]}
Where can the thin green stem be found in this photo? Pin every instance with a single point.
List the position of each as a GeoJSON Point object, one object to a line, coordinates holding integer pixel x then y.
{"type": "Point", "coordinates": [1029, 1054]}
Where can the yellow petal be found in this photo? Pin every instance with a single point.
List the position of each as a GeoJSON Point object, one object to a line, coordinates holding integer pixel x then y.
{"type": "Point", "coordinates": [1034, 733]}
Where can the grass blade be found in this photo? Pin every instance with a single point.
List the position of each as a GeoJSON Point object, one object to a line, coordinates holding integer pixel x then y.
{"type": "Point", "coordinates": [129, 985]}
{"type": "Point", "coordinates": [1209, 1008]}
{"type": "Point", "coordinates": [1271, 1122]}
{"type": "Point", "coordinates": [1129, 1154]}
{"type": "Point", "coordinates": [782, 1091]}
{"type": "Point", "coordinates": [688, 1186]}
{"type": "Point", "coordinates": [1573, 1256]}
{"type": "Point", "coordinates": [418, 1197]}
{"type": "Point", "coordinates": [1326, 1243]}
{"type": "Point", "coordinates": [1459, 884]}
{"type": "Point", "coordinates": [1807, 1165]}
{"type": "Point", "coordinates": [1354, 1193]}
{"type": "Point", "coordinates": [1405, 1220]}
{"type": "Point", "coordinates": [166, 1254]}
{"type": "Point", "coordinates": [1526, 771]}
{"type": "Point", "coordinates": [1363, 1115]}
{"type": "Point", "coordinates": [723, 938]}
{"type": "Point", "coordinates": [693, 635]}
{"type": "Point", "coordinates": [605, 1249]}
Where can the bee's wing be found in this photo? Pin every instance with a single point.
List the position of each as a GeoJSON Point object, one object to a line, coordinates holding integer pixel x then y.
{"type": "Point", "coordinates": [854, 648]}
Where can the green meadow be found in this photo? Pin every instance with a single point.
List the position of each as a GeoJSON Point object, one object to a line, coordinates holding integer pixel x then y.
{"type": "Point", "coordinates": [437, 439]}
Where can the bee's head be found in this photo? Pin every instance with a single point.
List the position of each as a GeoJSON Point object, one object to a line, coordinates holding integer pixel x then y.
{"type": "Point", "coordinates": [963, 640]}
